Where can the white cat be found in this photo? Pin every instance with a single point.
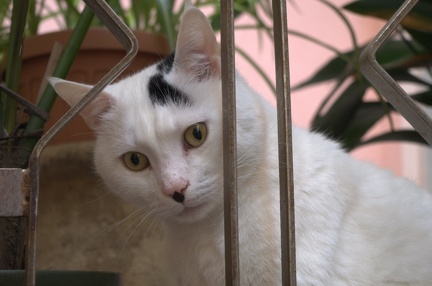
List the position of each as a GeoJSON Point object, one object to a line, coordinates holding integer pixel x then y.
{"type": "Point", "coordinates": [159, 145]}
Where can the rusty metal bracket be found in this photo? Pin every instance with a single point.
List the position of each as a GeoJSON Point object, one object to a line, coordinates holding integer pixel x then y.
{"type": "Point", "coordinates": [27, 104]}
{"type": "Point", "coordinates": [386, 85]}
{"type": "Point", "coordinates": [129, 42]}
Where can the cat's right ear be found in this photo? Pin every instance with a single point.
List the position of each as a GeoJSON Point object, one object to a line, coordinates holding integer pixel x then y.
{"type": "Point", "coordinates": [73, 92]}
{"type": "Point", "coordinates": [197, 51]}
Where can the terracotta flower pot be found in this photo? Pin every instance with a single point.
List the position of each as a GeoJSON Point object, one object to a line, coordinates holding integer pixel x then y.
{"type": "Point", "coordinates": [99, 52]}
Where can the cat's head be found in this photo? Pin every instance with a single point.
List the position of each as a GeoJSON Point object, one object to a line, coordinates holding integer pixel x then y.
{"type": "Point", "coordinates": [159, 131]}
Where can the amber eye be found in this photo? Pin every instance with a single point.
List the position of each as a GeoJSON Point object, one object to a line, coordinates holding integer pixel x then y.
{"type": "Point", "coordinates": [135, 161]}
{"type": "Point", "coordinates": [195, 135]}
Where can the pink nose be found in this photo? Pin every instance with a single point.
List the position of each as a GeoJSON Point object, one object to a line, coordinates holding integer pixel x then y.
{"type": "Point", "coordinates": [176, 190]}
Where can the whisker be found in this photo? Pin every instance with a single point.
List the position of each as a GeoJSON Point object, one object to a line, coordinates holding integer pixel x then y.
{"type": "Point", "coordinates": [107, 194]}
{"type": "Point", "coordinates": [80, 134]}
{"type": "Point", "coordinates": [144, 236]}
{"type": "Point", "coordinates": [250, 149]}
{"type": "Point", "coordinates": [210, 219]}
{"type": "Point", "coordinates": [132, 233]}
{"type": "Point", "coordinates": [153, 224]}
{"type": "Point", "coordinates": [116, 224]}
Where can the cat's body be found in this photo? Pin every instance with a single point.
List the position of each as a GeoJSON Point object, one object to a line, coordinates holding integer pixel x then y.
{"type": "Point", "coordinates": [355, 224]}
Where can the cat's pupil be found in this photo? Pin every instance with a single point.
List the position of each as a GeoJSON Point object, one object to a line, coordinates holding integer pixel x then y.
{"type": "Point", "coordinates": [135, 159]}
{"type": "Point", "coordinates": [197, 133]}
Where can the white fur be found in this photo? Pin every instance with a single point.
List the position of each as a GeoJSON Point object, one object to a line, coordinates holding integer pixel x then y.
{"type": "Point", "coordinates": [355, 224]}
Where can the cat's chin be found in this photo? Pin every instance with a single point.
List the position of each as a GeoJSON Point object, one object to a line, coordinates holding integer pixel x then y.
{"type": "Point", "coordinates": [191, 214]}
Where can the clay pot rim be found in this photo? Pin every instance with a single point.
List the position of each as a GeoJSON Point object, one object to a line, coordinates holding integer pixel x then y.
{"type": "Point", "coordinates": [95, 39]}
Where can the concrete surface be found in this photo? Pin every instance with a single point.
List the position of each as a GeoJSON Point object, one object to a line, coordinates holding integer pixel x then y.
{"type": "Point", "coordinates": [83, 227]}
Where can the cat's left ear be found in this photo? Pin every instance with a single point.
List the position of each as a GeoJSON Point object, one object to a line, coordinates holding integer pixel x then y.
{"type": "Point", "coordinates": [197, 51]}
{"type": "Point", "coordinates": [73, 92]}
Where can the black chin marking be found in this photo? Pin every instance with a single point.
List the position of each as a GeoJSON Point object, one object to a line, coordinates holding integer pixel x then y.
{"type": "Point", "coordinates": [166, 65]}
{"type": "Point", "coordinates": [178, 197]}
{"type": "Point", "coordinates": [162, 93]}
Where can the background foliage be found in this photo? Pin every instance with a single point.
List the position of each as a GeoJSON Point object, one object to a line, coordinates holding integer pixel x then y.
{"type": "Point", "coordinates": [345, 114]}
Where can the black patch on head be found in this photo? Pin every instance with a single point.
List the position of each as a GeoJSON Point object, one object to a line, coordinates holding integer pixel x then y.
{"type": "Point", "coordinates": [166, 65]}
{"type": "Point", "coordinates": [161, 92]}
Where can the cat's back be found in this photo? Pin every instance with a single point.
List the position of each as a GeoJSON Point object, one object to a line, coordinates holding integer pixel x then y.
{"type": "Point", "coordinates": [370, 227]}
{"type": "Point", "coordinates": [388, 228]}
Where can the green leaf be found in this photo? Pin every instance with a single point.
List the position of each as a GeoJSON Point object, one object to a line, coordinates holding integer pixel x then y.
{"type": "Point", "coordinates": [396, 53]}
{"type": "Point", "coordinates": [141, 13]}
{"type": "Point", "coordinates": [419, 17]}
{"type": "Point", "coordinates": [5, 9]}
{"type": "Point", "coordinates": [33, 18]}
{"type": "Point", "coordinates": [117, 8]}
{"type": "Point", "coordinates": [240, 7]}
{"type": "Point", "coordinates": [365, 117]}
{"type": "Point", "coordinates": [164, 13]}
{"type": "Point", "coordinates": [392, 55]}
{"type": "Point", "coordinates": [400, 135]}
{"type": "Point", "coordinates": [403, 75]}
{"type": "Point", "coordinates": [5, 14]}
{"type": "Point", "coordinates": [342, 78]}
{"type": "Point", "coordinates": [424, 97]}
{"type": "Point", "coordinates": [329, 71]}
{"type": "Point", "coordinates": [422, 37]}
{"type": "Point", "coordinates": [19, 15]}
{"type": "Point", "coordinates": [335, 121]}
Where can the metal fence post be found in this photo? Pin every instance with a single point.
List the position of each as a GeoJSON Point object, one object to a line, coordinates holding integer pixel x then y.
{"type": "Point", "coordinates": [286, 178]}
{"type": "Point", "coordinates": [232, 267]}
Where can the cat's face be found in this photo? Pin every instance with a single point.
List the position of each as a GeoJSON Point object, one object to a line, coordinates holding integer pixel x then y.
{"type": "Point", "coordinates": [163, 152]}
{"type": "Point", "coordinates": [160, 131]}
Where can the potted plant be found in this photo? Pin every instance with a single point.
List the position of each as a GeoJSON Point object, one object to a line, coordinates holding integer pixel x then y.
{"type": "Point", "coordinates": [17, 135]}
{"type": "Point", "coordinates": [99, 52]}
{"type": "Point", "coordinates": [345, 114]}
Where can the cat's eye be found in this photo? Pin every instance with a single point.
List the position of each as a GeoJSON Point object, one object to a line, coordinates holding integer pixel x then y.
{"type": "Point", "coordinates": [135, 161]}
{"type": "Point", "coordinates": [195, 135]}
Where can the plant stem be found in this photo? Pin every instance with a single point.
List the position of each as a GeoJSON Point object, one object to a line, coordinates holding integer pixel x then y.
{"type": "Point", "coordinates": [326, 46]}
{"type": "Point", "coordinates": [19, 14]}
{"type": "Point", "coordinates": [348, 25]}
{"type": "Point", "coordinates": [164, 12]}
{"type": "Point", "coordinates": [46, 102]}
{"type": "Point", "coordinates": [258, 69]}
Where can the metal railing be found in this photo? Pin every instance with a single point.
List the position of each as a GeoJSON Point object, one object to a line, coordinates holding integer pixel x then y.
{"type": "Point", "coordinates": [232, 263]}
{"type": "Point", "coordinates": [386, 85]}
{"type": "Point", "coordinates": [232, 256]}
{"type": "Point", "coordinates": [286, 175]}
{"type": "Point", "coordinates": [22, 184]}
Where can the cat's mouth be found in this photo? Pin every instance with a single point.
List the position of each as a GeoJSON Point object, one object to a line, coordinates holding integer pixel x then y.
{"type": "Point", "coordinates": [192, 211]}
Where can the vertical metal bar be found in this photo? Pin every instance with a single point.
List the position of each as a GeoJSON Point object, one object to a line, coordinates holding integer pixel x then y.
{"type": "Point", "coordinates": [129, 42]}
{"type": "Point", "coordinates": [388, 87]}
{"type": "Point", "coordinates": [232, 276]}
{"type": "Point", "coordinates": [285, 143]}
